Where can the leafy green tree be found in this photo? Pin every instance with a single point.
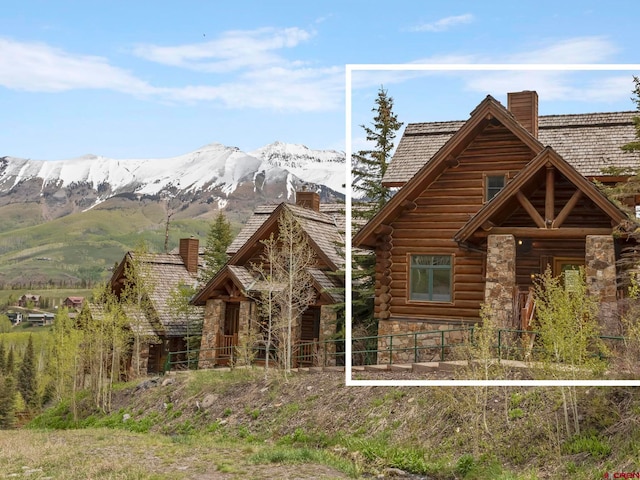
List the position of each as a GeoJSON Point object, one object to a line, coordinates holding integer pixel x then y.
{"type": "Point", "coordinates": [5, 324]}
{"type": "Point", "coordinates": [136, 296]}
{"type": "Point", "coordinates": [180, 306]}
{"type": "Point", "coordinates": [26, 376]}
{"type": "Point", "coordinates": [567, 326]}
{"type": "Point", "coordinates": [215, 252]}
{"type": "Point", "coordinates": [369, 167]}
{"type": "Point", "coordinates": [65, 361]}
{"type": "Point", "coordinates": [286, 287]}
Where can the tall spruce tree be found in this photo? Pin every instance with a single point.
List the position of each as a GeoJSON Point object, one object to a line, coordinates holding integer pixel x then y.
{"type": "Point", "coordinates": [3, 358]}
{"type": "Point", "coordinates": [369, 167]}
{"type": "Point", "coordinates": [26, 377]}
{"type": "Point", "coordinates": [7, 401]}
{"type": "Point", "coordinates": [215, 253]}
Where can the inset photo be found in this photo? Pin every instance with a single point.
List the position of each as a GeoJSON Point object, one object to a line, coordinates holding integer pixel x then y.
{"type": "Point", "coordinates": [494, 225]}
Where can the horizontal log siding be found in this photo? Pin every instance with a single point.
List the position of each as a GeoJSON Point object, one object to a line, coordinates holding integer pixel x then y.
{"type": "Point", "coordinates": [442, 209]}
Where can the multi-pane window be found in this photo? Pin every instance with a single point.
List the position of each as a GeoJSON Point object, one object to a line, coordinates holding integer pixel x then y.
{"type": "Point", "coordinates": [430, 278]}
{"type": "Point", "coordinates": [493, 184]}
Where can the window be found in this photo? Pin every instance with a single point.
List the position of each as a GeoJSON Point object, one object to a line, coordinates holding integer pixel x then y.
{"type": "Point", "coordinates": [492, 185]}
{"type": "Point", "coordinates": [430, 278]}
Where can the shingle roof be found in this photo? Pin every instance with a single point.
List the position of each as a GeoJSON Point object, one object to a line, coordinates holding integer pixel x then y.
{"type": "Point", "coordinates": [589, 142]}
{"type": "Point", "coordinates": [325, 228]}
{"type": "Point", "coordinates": [138, 322]}
{"type": "Point", "coordinates": [327, 284]}
{"type": "Point", "coordinates": [163, 273]}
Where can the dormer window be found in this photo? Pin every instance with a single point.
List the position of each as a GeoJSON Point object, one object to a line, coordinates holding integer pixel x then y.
{"type": "Point", "coordinates": [492, 185]}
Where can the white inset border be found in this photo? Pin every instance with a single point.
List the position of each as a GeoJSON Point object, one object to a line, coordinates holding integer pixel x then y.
{"type": "Point", "coordinates": [349, 68]}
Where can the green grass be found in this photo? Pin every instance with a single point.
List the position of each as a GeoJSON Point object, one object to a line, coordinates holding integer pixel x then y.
{"type": "Point", "coordinates": [67, 248]}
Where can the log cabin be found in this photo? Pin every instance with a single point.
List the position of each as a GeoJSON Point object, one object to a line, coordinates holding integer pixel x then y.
{"type": "Point", "coordinates": [486, 204]}
{"type": "Point", "coordinates": [232, 320]}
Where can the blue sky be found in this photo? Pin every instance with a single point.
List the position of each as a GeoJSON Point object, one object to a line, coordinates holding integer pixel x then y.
{"type": "Point", "coordinates": [156, 79]}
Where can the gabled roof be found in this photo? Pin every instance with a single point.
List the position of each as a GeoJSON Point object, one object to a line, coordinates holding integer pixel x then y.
{"type": "Point", "coordinates": [247, 281]}
{"type": "Point", "coordinates": [321, 229]}
{"type": "Point", "coordinates": [164, 272]}
{"type": "Point", "coordinates": [489, 110]}
{"type": "Point", "coordinates": [547, 157]}
{"type": "Point", "coordinates": [589, 142]}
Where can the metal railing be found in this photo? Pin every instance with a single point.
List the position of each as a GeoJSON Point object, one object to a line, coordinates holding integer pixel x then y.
{"type": "Point", "coordinates": [416, 347]}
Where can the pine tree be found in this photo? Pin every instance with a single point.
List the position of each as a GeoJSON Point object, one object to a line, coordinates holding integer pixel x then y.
{"type": "Point", "coordinates": [635, 145]}
{"type": "Point", "coordinates": [7, 401]}
{"type": "Point", "coordinates": [3, 359]}
{"type": "Point", "coordinates": [369, 166]}
{"type": "Point", "coordinates": [10, 365]}
{"type": "Point", "coordinates": [26, 377]}
{"type": "Point", "coordinates": [215, 253]}
{"type": "Point", "coordinates": [368, 171]}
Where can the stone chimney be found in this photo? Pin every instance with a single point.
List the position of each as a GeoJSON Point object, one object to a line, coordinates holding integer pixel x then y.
{"type": "Point", "coordinates": [189, 253]}
{"type": "Point", "coordinates": [524, 106]}
{"type": "Point", "coordinates": [309, 200]}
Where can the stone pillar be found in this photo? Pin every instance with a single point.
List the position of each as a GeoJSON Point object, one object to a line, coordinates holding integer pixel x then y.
{"type": "Point", "coordinates": [600, 270]}
{"type": "Point", "coordinates": [328, 321]}
{"type": "Point", "coordinates": [501, 278]}
{"type": "Point", "coordinates": [212, 324]}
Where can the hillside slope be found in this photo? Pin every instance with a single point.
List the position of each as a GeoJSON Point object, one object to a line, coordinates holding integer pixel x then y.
{"type": "Point", "coordinates": [441, 432]}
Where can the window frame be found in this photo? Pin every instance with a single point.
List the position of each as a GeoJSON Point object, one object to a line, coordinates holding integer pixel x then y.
{"type": "Point", "coordinates": [430, 269]}
{"type": "Point", "coordinates": [485, 184]}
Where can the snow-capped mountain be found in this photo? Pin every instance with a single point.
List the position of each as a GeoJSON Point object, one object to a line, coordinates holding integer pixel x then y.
{"type": "Point", "coordinates": [213, 173]}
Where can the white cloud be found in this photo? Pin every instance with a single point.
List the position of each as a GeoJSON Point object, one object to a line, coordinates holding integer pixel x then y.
{"type": "Point", "coordinates": [32, 66]}
{"type": "Point", "coordinates": [233, 50]}
{"type": "Point", "coordinates": [443, 24]}
{"type": "Point", "coordinates": [573, 50]}
{"type": "Point", "coordinates": [250, 72]}
{"type": "Point", "coordinates": [556, 85]}
{"type": "Point", "coordinates": [274, 88]}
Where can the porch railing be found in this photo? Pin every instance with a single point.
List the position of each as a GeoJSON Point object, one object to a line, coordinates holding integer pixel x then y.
{"type": "Point", "coordinates": [417, 347]}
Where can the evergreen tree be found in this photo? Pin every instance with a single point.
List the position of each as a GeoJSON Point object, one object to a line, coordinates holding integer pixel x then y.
{"type": "Point", "coordinates": [635, 145]}
{"type": "Point", "coordinates": [369, 167]}
{"type": "Point", "coordinates": [27, 382]}
{"type": "Point", "coordinates": [10, 365]}
{"type": "Point", "coordinates": [215, 253]}
{"type": "Point", "coordinates": [7, 401]}
{"type": "Point", "coordinates": [3, 359]}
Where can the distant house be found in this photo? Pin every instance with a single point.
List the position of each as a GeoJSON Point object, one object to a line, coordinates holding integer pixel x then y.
{"type": "Point", "coordinates": [29, 299]}
{"type": "Point", "coordinates": [73, 302]}
{"type": "Point", "coordinates": [40, 319]}
{"type": "Point", "coordinates": [231, 313]}
{"type": "Point", "coordinates": [157, 322]}
{"type": "Point", "coordinates": [15, 317]}
{"type": "Point", "coordinates": [487, 204]}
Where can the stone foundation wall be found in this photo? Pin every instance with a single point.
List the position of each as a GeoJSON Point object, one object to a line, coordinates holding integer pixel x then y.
{"type": "Point", "coordinates": [414, 348]}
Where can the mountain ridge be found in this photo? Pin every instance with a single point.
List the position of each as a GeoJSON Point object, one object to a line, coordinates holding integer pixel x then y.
{"type": "Point", "coordinates": [84, 213]}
